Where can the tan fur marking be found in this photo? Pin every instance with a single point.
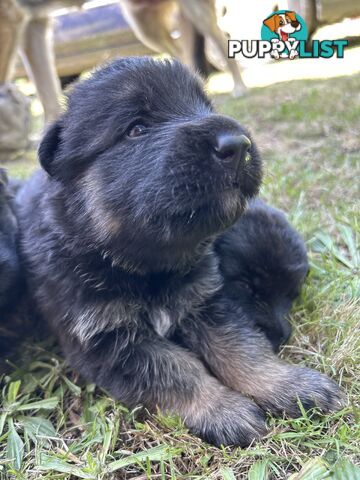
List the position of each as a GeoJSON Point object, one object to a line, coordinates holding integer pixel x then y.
{"type": "Point", "coordinates": [104, 223]}
{"type": "Point", "coordinates": [272, 23]}
{"type": "Point", "coordinates": [291, 15]}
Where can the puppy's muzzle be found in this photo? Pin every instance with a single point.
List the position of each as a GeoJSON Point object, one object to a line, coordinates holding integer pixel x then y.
{"type": "Point", "coordinates": [232, 150]}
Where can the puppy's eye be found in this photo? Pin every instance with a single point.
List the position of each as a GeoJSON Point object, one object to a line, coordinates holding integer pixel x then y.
{"type": "Point", "coordinates": [136, 130]}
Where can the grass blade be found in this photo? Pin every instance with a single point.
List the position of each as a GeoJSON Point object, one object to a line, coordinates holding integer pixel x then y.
{"type": "Point", "coordinates": [3, 417]}
{"type": "Point", "coordinates": [259, 470]}
{"type": "Point", "coordinates": [47, 404]}
{"type": "Point", "coordinates": [156, 454]}
{"type": "Point", "coordinates": [314, 469]}
{"type": "Point", "coordinates": [61, 466]}
{"type": "Point", "coordinates": [350, 241]}
{"type": "Point", "coordinates": [13, 391]}
{"type": "Point", "coordinates": [346, 470]}
{"type": "Point", "coordinates": [38, 428]}
{"type": "Point", "coordinates": [15, 446]}
{"type": "Point", "coordinates": [227, 474]}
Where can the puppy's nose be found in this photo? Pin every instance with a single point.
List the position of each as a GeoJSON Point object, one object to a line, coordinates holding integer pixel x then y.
{"type": "Point", "coordinates": [232, 149]}
{"type": "Point", "coordinates": [295, 23]}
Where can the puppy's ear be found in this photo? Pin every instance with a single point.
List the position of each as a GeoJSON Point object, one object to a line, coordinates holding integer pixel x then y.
{"type": "Point", "coordinates": [270, 23]}
{"type": "Point", "coordinates": [49, 146]}
{"type": "Point", "coordinates": [291, 15]}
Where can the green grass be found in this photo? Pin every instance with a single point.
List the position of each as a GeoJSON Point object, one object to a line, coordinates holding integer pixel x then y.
{"type": "Point", "coordinates": [54, 426]}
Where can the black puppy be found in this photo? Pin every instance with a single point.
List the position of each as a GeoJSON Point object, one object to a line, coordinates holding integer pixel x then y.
{"type": "Point", "coordinates": [264, 261]}
{"type": "Point", "coordinates": [9, 261]}
{"type": "Point", "coordinates": [141, 176]}
{"type": "Point", "coordinates": [11, 282]}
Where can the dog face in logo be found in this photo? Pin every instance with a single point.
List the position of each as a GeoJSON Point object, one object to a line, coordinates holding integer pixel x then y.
{"type": "Point", "coordinates": [283, 24]}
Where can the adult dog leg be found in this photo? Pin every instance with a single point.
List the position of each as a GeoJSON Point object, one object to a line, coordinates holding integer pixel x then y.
{"type": "Point", "coordinates": [12, 21]}
{"type": "Point", "coordinates": [202, 13]}
{"type": "Point", "coordinates": [14, 106]}
{"type": "Point", "coordinates": [242, 358]}
{"type": "Point", "coordinates": [151, 24]}
{"type": "Point", "coordinates": [193, 47]}
{"type": "Point", "coordinates": [40, 62]}
{"type": "Point", "coordinates": [157, 373]}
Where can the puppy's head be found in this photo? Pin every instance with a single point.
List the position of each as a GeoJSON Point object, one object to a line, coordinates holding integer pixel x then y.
{"type": "Point", "coordinates": [146, 160]}
{"type": "Point", "coordinates": [283, 24]}
{"type": "Point", "coordinates": [266, 263]}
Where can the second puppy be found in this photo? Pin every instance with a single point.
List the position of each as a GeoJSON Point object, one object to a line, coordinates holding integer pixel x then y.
{"type": "Point", "coordinates": [264, 261]}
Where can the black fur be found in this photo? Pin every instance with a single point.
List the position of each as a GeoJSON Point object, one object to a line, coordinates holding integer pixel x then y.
{"type": "Point", "coordinates": [264, 261]}
{"type": "Point", "coordinates": [11, 278]}
{"type": "Point", "coordinates": [9, 261]}
{"type": "Point", "coordinates": [118, 238]}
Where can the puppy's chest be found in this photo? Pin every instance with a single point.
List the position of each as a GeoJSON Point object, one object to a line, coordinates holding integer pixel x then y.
{"type": "Point", "coordinates": [162, 321]}
{"type": "Point", "coordinates": [160, 310]}
{"type": "Point", "coordinates": [98, 318]}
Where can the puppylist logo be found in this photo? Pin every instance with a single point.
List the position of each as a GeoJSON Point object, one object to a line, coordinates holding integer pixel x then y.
{"type": "Point", "coordinates": [284, 35]}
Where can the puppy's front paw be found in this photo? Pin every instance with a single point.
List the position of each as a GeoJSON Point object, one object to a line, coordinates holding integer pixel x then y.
{"type": "Point", "coordinates": [310, 387]}
{"type": "Point", "coordinates": [231, 420]}
{"type": "Point", "coordinates": [317, 390]}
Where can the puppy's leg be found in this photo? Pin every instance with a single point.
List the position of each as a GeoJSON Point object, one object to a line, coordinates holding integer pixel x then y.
{"type": "Point", "coordinates": [203, 14]}
{"type": "Point", "coordinates": [243, 360]}
{"type": "Point", "coordinates": [12, 21]}
{"type": "Point", "coordinates": [154, 372]}
{"type": "Point", "coordinates": [151, 24]}
{"type": "Point", "coordinates": [40, 62]}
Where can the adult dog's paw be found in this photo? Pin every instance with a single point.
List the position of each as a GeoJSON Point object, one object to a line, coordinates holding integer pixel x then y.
{"type": "Point", "coordinates": [309, 387]}
{"type": "Point", "coordinates": [232, 420]}
{"type": "Point", "coordinates": [239, 90]}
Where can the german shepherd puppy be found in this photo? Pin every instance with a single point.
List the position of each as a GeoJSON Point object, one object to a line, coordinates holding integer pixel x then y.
{"type": "Point", "coordinates": [11, 281]}
{"type": "Point", "coordinates": [264, 261]}
{"type": "Point", "coordinates": [9, 261]}
{"type": "Point", "coordinates": [140, 177]}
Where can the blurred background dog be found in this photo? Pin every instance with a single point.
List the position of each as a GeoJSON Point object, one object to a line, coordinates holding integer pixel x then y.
{"type": "Point", "coordinates": [88, 32]}
{"type": "Point", "coordinates": [25, 25]}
